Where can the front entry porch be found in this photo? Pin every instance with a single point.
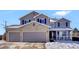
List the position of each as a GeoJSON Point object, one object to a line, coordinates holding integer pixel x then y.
{"type": "Point", "coordinates": [60, 35]}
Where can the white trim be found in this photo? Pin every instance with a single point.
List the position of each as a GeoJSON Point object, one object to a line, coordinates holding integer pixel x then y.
{"type": "Point", "coordinates": [28, 24]}
{"type": "Point", "coordinates": [13, 31]}
{"type": "Point", "coordinates": [60, 29]}
{"type": "Point", "coordinates": [40, 15]}
{"type": "Point", "coordinates": [36, 16]}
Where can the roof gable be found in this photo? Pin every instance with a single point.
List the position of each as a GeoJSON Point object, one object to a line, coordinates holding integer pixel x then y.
{"type": "Point", "coordinates": [75, 30]}
{"type": "Point", "coordinates": [64, 19]}
{"type": "Point", "coordinates": [32, 14]}
{"type": "Point", "coordinates": [40, 15]}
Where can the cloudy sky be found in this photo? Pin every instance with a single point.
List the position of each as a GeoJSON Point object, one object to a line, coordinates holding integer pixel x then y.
{"type": "Point", "coordinates": [12, 16]}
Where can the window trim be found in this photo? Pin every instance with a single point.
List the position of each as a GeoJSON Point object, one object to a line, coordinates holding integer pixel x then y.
{"type": "Point", "coordinates": [23, 21]}
{"type": "Point", "coordinates": [38, 20]}
{"type": "Point", "coordinates": [66, 24]}
{"type": "Point", "coordinates": [45, 20]}
{"type": "Point", "coordinates": [29, 20]}
{"type": "Point", "coordinates": [58, 24]}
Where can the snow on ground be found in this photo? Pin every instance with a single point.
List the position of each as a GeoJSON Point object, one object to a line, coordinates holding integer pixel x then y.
{"type": "Point", "coordinates": [21, 45]}
{"type": "Point", "coordinates": [62, 45]}
{"type": "Point", "coordinates": [1, 41]}
{"type": "Point", "coordinates": [48, 45]}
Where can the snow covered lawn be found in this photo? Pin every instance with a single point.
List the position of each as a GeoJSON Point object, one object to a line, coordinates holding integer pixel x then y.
{"type": "Point", "coordinates": [62, 45]}
{"type": "Point", "coordinates": [48, 45]}
{"type": "Point", "coordinates": [21, 45]}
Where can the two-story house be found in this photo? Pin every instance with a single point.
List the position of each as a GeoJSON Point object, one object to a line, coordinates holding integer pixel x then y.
{"type": "Point", "coordinates": [36, 27]}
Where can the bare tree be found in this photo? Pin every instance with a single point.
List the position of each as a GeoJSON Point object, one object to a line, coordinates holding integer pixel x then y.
{"type": "Point", "coordinates": [4, 25]}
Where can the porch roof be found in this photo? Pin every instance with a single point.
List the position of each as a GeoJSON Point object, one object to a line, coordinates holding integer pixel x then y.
{"type": "Point", "coordinates": [60, 29]}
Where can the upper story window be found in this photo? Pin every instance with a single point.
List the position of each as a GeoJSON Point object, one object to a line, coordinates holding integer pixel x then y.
{"type": "Point", "coordinates": [58, 24]}
{"type": "Point", "coordinates": [25, 22]}
{"type": "Point", "coordinates": [29, 20]}
{"type": "Point", "coordinates": [66, 24]}
{"type": "Point", "coordinates": [38, 20]}
{"type": "Point", "coordinates": [42, 20]}
{"type": "Point", "coordinates": [45, 21]}
{"type": "Point", "coordinates": [22, 21]}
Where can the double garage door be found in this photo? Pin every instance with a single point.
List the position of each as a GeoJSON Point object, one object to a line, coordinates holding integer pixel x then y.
{"type": "Point", "coordinates": [28, 37]}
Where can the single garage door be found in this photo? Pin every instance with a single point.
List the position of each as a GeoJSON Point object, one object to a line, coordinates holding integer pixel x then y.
{"type": "Point", "coordinates": [14, 36]}
{"type": "Point", "coordinates": [34, 36]}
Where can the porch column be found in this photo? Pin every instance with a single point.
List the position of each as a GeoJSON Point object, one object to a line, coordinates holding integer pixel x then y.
{"type": "Point", "coordinates": [71, 35]}
{"type": "Point", "coordinates": [47, 36]}
{"type": "Point", "coordinates": [67, 35]}
{"type": "Point", "coordinates": [56, 36]}
{"type": "Point", "coordinates": [60, 34]}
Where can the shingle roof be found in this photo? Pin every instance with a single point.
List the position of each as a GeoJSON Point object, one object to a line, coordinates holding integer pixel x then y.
{"type": "Point", "coordinates": [64, 19]}
{"type": "Point", "coordinates": [18, 26]}
{"type": "Point", "coordinates": [75, 30]}
{"type": "Point", "coordinates": [33, 12]}
{"type": "Point", "coordinates": [53, 19]}
{"type": "Point", "coordinates": [13, 26]}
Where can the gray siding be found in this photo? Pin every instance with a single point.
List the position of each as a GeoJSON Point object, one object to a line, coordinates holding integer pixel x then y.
{"type": "Point", "coordinates": [62, 24]}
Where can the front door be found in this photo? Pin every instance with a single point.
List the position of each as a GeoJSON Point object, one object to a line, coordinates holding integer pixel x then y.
{"type": "Point", "coordinates": [50, 34]}
{"type": "Point", "coordinates": [54, 35]}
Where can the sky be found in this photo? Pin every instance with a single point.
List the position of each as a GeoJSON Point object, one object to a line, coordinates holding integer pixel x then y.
{"type": "Point", "coordinates": [12, 16]}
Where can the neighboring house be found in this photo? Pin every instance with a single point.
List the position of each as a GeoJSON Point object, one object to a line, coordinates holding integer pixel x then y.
{"type": "Point", "coordinates": [75, 35]}
{"type": "Point", "coordinates": [35, 27]}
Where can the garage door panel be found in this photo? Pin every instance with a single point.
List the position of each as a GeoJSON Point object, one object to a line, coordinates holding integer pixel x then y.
{"type": "Point", "coordinates": [34, 36]}
{"type": "Point", "coordinates": [14, 36]}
